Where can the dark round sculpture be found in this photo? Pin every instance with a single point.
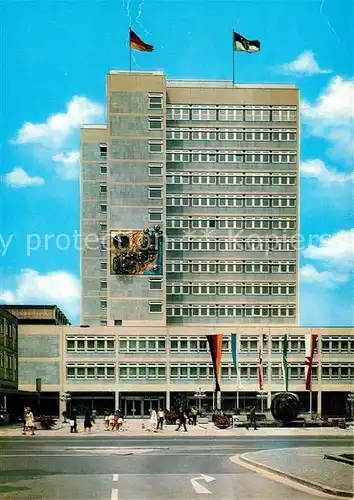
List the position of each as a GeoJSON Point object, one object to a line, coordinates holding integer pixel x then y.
{"type": "Point", "coordinates": [285, 407]}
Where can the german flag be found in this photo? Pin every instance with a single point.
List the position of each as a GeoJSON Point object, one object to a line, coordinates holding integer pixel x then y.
{"type": "Point", "coordinates": [215, 346]}
{"type": "Point", "coordinates": [136, 43]}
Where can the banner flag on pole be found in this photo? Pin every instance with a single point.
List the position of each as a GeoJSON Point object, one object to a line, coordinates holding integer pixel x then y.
{"type": "Point", "coordinates": [242, 44]}
{"type": "Point", "coordinates": [215, 346]}
{"type": "Point", "coordinates": [260, 366]}
{"type": "Point", "coordinates": [136, 43]}
{"type": "Point", "coordinates": [310, 346]}
{"type": "Point", "coordinates": [235, 359]}
{"type": "Point", "coordinates": [285, 363]}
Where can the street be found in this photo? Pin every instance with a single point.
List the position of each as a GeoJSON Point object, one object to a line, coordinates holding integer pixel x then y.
{"type": "Point", "coordinates": [143, 468]}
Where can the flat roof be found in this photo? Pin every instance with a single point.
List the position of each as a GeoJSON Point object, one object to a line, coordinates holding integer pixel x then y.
{"type": "Point", "coordinates": [94, 126]}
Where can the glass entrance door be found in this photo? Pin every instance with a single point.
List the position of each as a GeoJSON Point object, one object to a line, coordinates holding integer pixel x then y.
{"type": "Point", "coordinates": [150, 404]}
{"type": "Point", "coordinates": [133, 408]}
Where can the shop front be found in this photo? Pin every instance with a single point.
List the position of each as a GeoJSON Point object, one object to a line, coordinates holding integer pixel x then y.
{"type": "Point", "coordinates": [135, 405]}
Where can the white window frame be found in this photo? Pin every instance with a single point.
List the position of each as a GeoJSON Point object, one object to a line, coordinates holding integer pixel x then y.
{"type": "Point", "coordinates": [231, 113]}
{"type": "Point", "coordinates": [155, 143]}
{"type": "Point", "coordinates": [181, 134]}
{"type": "Point", "coordinates": [155, 212]}
{"type": "Point", "coordinates": [154, 281]}
{"type": "Point", "coordinates": [155, 119]}
{"type": "Point", "coordinates": [157, 104]}
{"type": "Point", "coordinates": [157, 165]}
{"type": "Point", "coordinates": [155, 303]}
{"type": "Point", "coordinates": [158, 189]}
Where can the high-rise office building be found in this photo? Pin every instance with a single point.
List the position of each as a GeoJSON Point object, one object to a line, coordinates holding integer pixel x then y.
{"type": "Point", "coordinates": [189, 204]}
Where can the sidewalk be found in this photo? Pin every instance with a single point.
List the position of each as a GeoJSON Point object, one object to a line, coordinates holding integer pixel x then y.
{"type": "Point", "coordinates": [306, 466]}
{"type": "Point", "coordinates": [133, 428]}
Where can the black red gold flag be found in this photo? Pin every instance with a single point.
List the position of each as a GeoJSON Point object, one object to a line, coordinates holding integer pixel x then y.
{"type": "Point", "coordinates": [136, 43]}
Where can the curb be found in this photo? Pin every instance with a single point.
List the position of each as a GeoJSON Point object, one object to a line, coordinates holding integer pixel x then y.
{"type": "Point", "coordinates": [338, 458]}
{"type": "Point", "coordinates": [317, 486]}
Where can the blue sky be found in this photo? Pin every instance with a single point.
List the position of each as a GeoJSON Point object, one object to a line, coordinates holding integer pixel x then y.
{"type": "Point", "coordinates": [55, 56]}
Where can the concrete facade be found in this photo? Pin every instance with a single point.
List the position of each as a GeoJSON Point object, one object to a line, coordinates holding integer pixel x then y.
{"type": "Point", "coordinates": [215, 165]}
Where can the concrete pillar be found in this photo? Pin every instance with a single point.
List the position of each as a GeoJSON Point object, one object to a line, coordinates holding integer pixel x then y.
{"type": "Point", "coordinates": [269, 399]}
{"type": "Point", "coordinates": [319, 403]}
{"type": "Point", "coordinates": [218, 400]}
{"type": "Point", "coordinates": [116, 400]}
{"type": "Point", "coordinates": [62, 405]}
{"type": "Point", "coordinates": [168, 400]}
{"type": "Point", "coordinates": [5, 403]}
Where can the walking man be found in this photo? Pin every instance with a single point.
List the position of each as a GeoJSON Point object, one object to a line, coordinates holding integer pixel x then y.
{"type": "Point", "coordinates": [161, 418]}
{"type": "Point", "coordinates": [252, 420]}
{"type": "Point", "coordinates": [182, 420]}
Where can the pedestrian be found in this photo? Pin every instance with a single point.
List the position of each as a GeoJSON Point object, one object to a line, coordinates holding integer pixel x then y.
{"type": "Point", "coordinates": [29, 421]}
{"type": "Point", "coordinates": [120, 421]}
{"type": "Point", "coordinates": [153, 420]}
{"type": "Point", "coordinates": [194, 416]}
{"type": "Point", "coordinates": [24, 419]}
{"type": "Point", "coordinates": [252, 419]}
{"type": "Point", "coordinates": [115, 421]}
{"type": "Point", "coordinates": [182, 420]}
{"type": "Point", "coordinates": [87, 421]}
{"type": "Point", "coordinates": [73, 421]}
{"type": "Point", "coordinates": [93, 416]}
{"type": "Point", "coordinates": [111, 421]}
{"type": "Point", "coordinates": [106, 420]}
{"type": "Point", "coordinates": [161, 418]}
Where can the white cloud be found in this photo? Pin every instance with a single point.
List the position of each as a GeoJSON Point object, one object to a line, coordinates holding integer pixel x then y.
{"type": "Point", "coordinates": [19, 178]}
{"type": "Point", "coordinates": [305, 64]}
{"type": "Point", "coordinates": [326, 279]}
{"type": "Point", "coordinates": [332, 116]}
{"type": "Point", "coordinates": [57, 287]}
{"type": "Point", "coordinates": [317, 169]}
{"type": "Point", "coordinates": [336, 249]}
{"type": "Point", "coordinates": [67, 164]}
{"type": "Point", "coordinates": [58, 127]}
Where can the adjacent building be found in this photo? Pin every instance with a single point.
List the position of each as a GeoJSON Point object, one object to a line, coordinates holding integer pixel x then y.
{"type": "Point", "coordinates": [8, 357]}
{"type": "Point", "coordinates": [137, 368]}
{"type": "Point", "coordinates": [189, 204]}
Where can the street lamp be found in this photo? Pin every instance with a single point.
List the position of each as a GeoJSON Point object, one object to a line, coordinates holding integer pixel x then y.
{"type": "Point", "coordinates": [199, 395]}
{"type": "Point", "coordinates": [67, 399]}
{"type": "Point", "coordinates": [262, 395]}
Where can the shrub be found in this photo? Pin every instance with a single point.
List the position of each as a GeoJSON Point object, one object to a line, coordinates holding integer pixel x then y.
{"type": "Point", "coordinates": [171, 417]}
{"type": "Point", "coordinates": [46, 422]}
{"type": "Point", "coordinates": [222, 421]}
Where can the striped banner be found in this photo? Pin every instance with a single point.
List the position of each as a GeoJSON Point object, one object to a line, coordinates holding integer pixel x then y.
{"type": "Point", "coordinates": [310, 346]}
{"type": "Point", "coordinates": [215, 346]}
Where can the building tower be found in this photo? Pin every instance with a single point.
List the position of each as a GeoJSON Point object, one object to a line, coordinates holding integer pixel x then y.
{"type": "Point", "coordinates": [211, 170]}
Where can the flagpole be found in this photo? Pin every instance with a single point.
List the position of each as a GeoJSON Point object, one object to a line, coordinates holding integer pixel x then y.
{"type": "Point", "coordinates": [233, 59]}
{"type": "Point", "coordinates": [130, 51]}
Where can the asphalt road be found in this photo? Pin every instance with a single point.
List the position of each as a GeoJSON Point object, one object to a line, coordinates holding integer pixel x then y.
{"type": "Point", "coordinates": [149, 468]}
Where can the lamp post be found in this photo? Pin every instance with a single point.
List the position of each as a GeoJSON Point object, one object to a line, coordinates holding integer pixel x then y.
{"type": "Point", "coordinates": [199, 395]}
{"type": "Point", "coordinates": [262, 395]}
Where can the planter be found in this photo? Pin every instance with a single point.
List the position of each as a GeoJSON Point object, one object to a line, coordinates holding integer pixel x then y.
{"type": "Point", "coordinates": [222, 426]}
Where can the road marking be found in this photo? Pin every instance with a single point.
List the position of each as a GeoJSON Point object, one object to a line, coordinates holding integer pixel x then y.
{"type": "Point", "coordinates": [115, 477]}
{"type": "Point", "coordinates": [199, 488]}
{"type": "Point", "coordinates": [114, 495]}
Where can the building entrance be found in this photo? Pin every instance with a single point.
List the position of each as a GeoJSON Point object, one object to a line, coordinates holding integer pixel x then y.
{"type": "Point", "coordinates": [141, 406]}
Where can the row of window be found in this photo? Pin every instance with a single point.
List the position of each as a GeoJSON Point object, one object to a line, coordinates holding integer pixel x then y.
{"type": "Point", "coordinates": [232, 200]}
{"type": "Point", "coordinates": [230, 289]}
{"type": "Point", "coordinates": [90, 344]}
{"type": "Point", "coordinates": [271, 267]}
{"type": "Point", "coordinates": [232, 245]}
{"type": "Point", "coordinates": [239, 179]}
{"type": "Point", "coordinates": [227, 134]}
{"type": "Point", "coordinates": [220, 156]}
{"type": "Point", "coordinates": [230, 223]}
{"type": "Point", "coordinates": [188, 371]}
{"type": "Point", "coordinates": [231, 113]}
{"type": "Point", "coordinates": [158, 344]}
{"type": "Point", "coordinates": [222, 310]}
